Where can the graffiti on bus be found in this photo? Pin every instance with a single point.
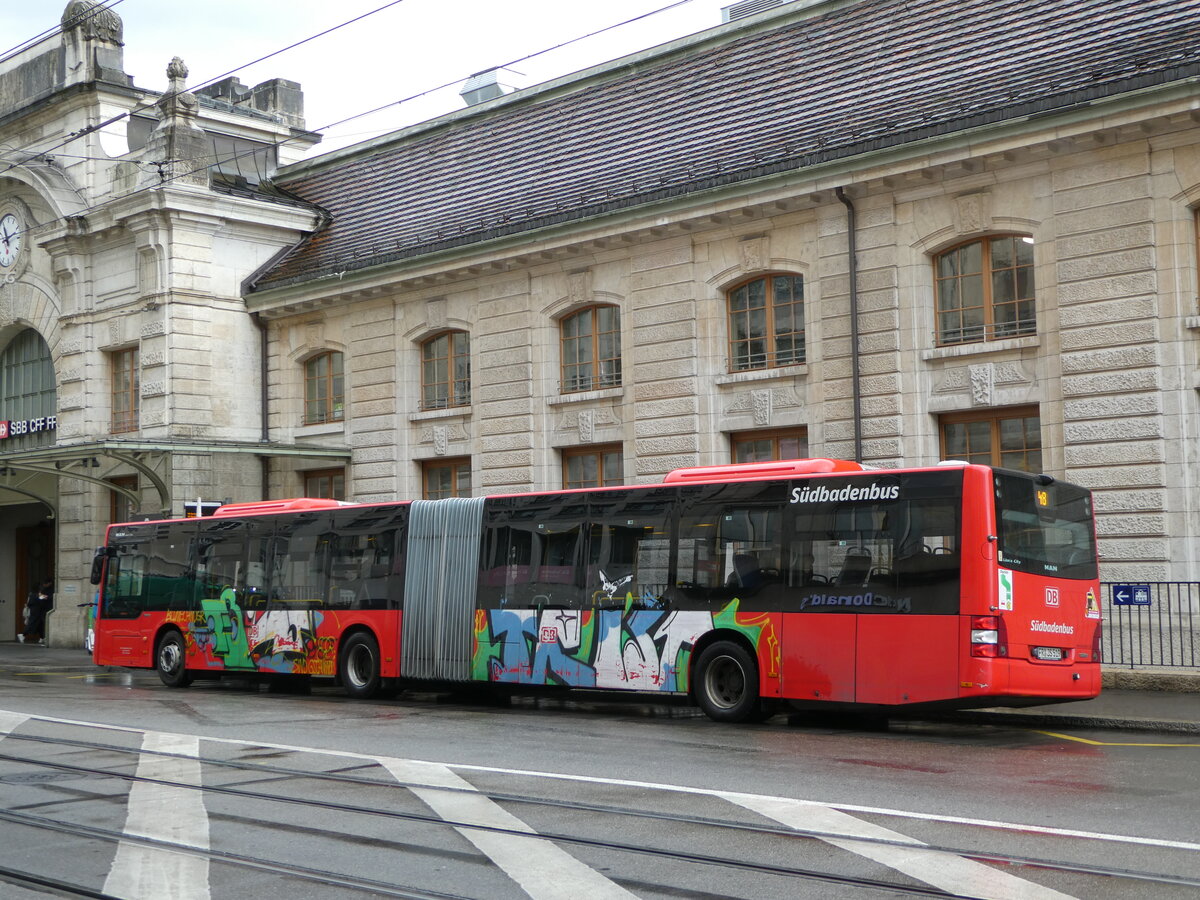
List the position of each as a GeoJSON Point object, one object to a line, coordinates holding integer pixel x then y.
{"type": "Point", "coordinates": [634, 648]}
{"type": "Point", "coordinates": [223, 635]}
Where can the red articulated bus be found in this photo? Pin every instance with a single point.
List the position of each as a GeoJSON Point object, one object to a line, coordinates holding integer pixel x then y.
{"type": "Point", "coordinates": [816, 583]}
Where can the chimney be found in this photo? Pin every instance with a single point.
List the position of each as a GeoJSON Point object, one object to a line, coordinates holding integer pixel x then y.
{"type": "Point", "coordinates": [483, 86]}
{"type": "Point", "coordinates": [747, 8]}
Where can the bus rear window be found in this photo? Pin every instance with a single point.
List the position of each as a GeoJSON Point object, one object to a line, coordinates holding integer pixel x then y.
{"type": "Point", "coordinates": [1044, 529]}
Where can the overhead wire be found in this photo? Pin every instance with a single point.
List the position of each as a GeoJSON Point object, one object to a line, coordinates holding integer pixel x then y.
{"type": "Point", "coordinates": [507, 65]}
{"type": "Point", "coordinates": [46, 35]}
{"type": "Point", "coordinates": [75, 135]}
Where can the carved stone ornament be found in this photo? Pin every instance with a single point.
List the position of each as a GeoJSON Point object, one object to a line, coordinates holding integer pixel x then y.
{"type": "Point", "coordinates": [753, 251]}
{"type": "Point", "coordinates": [587, 425]}
{"type": "Point", "coordinates": [441, 440]}
{"type": "Point", "coordinates": [763, 402]}
{"type": "Point", "coordinates": [93, 21]}
{"type": "Point", "coordinates": [974, 213]}
{"type": "Point", "coordinates": [983, 384]}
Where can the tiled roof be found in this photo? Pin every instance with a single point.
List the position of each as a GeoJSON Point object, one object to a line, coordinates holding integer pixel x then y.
{"type": "Point", "coordinates": [870, 75]}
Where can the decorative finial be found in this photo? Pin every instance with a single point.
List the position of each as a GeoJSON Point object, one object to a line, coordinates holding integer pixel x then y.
{"type": "Point", "coordinates": [177, 71]}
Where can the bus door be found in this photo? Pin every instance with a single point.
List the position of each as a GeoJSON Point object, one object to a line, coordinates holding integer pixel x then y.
{"type": "Point", "coordinates": [909, 645]}
{"type": "Point", "coordinates": [231, 574]}
{"type": "Point", "coordinates": [874, 574]}
{"type": "Point", "coordinates": [827, 567]}
{"type": "Point", "coordinates": [123, 637]}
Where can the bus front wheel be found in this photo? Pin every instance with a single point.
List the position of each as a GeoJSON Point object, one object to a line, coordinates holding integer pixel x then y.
{"type": "Point", "coordinates": [727, 683]}
{"type": "Point", "coordinates": [170, 661]}
{"type": "Point", "coordinates": [358, 666]}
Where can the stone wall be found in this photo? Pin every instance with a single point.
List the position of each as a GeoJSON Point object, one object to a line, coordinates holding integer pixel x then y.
{"type": "Point", "coordinates": [1111, 369]}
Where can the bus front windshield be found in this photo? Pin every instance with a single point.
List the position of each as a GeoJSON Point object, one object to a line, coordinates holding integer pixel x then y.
{"type": "Point", "coordinates": [1044, 528]}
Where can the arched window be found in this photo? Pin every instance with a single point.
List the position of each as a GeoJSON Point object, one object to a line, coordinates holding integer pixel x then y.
{"type": "Point", "coordinates": [446, 370]}
{"type": "Point", "coordinates": [985, 290]}
{"type": "Point", "coordinates": [324, 390]}
{"type": "Point", "coordinates": [28, 397]}
{"type": "Point", "coordinates": [591, 349]}
{"type": "Point", "coordinates": [766, 323]}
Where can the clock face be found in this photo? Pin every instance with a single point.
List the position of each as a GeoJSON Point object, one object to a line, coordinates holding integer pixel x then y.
{"type": "Point", "coordinates": [10, 239]}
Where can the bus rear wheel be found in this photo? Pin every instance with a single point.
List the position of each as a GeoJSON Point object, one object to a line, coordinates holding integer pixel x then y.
{"type": "Point", "coordinates": [358, 667]}
{"type": "Point", "coordinates": [727, 683]}
{"type": "Point", "coordinates": [170, 661]}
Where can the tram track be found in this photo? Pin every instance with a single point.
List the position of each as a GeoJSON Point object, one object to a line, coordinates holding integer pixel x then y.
{"type": "Point", "coordinates": [659, 818]}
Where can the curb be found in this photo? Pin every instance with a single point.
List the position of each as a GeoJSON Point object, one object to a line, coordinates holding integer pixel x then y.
{"type": "Point", "coordinates": [1147, 680]}
{"type": "Point", "coordinates": [1050, 720]}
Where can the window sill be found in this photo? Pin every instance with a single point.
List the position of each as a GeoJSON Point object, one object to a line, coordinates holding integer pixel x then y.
{"type": "Point", "coordinates": [320, 428]}
{"type": "Point", "coordinates": [780, 372]}
{"type": "Point", "coordinates": [982, 348]}
{"type": "Point", "coordinates": [450, 412]}
{"type": "Point", "coordinates": [583, 396]}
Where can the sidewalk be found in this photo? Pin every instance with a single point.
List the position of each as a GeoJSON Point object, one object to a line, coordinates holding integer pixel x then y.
{"type": "Point", "coordinates": [1165, 700]}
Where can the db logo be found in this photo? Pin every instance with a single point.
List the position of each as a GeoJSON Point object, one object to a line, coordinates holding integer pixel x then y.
{"type": "Point", "coordinates": [3, 430]}
{"type": "Point", "coordinates": [1052, 596]}
{"type": "Point", "coordinates": [549, 634]}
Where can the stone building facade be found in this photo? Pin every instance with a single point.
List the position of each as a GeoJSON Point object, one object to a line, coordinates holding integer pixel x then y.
{"type": "Point", "coordinates": [863, 229]}
{"type": "Point", "coordinates": [881, 145]}
{"type": "Point", "coordinates": [130, 221]}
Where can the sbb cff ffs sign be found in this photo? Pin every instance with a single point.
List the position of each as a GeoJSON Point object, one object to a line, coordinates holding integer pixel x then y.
{"type": "Point", "coordinates": [11, 428]}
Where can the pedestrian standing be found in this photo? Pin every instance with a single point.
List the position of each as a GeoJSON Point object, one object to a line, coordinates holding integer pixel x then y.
{"type": "Point", "coordinates": [40, 602]}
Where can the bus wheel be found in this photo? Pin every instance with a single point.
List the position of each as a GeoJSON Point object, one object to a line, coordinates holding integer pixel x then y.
{"type": "Point", "coordinates": [169, 659]}
{"type": "Point", "coordinates": [358, 666]}
{"type": "Point", "coordinates": [727, 683]}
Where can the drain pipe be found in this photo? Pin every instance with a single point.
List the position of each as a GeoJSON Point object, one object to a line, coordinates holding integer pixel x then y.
{"type": "Point", "coordinates": [265, 434]}
{"type": "Point", "coordinates": [852, 251]}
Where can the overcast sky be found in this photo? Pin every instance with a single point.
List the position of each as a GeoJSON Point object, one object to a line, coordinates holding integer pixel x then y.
{"type": "Point", "coordinates": [403, 50]}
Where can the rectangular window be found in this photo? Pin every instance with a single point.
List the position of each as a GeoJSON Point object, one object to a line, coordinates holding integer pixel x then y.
{"type": "Point", "coordinates": [1007, 438]}
{"type": "Point", "coordinates": [125, 390]}
{"type": "Point", "coordinates": [328, 484]}
{"type": "Point", "coordinates": [585, 467]}
{"type": "Point", "coordinates": [767, 446]}
{"type": "Point", "coordinates": [120, 508]}
{"type": "Point", "coordinates": [446, 478]}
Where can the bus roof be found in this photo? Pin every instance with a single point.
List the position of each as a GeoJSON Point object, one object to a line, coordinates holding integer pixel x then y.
{"type": "Point", "coordinates": [784, 468]}
{"type": "Point", "coordinates": [298, 504]}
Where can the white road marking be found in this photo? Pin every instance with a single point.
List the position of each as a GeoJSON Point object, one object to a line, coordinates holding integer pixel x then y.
{"type": "Point", "coordinates": [10, 721]}
{"type": "Point", "coordinates": [947, 871]}
{"type": "Point", "coordinates": [542, 869]}
{"type": "Point", "coordinates": [165, 813]}
{"type": "Point", "coordinates": [679, 789]}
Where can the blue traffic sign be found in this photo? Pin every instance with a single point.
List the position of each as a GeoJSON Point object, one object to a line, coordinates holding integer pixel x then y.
{"type": "Point", "coordinates": [1131, 595]}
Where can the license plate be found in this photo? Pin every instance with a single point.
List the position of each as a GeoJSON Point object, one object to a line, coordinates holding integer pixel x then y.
{"type": "Point", "coordinates": [1047, 653]}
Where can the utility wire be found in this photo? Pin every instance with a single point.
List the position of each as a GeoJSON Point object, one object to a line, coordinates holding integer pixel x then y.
{"type": "Point", "coordinates": [507, 65]}
{"type": "Point", "coordinates": [51, 32]}
{"type": "Point", "coordinates": [143, 108]}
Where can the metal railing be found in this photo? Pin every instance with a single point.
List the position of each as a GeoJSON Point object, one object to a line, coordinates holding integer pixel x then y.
{"type": "Point", "coordinates": [1154, 624]}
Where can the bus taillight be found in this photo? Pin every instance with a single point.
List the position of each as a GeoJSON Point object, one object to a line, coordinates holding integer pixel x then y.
{"type": "Point", "coordinates": [985, 637]}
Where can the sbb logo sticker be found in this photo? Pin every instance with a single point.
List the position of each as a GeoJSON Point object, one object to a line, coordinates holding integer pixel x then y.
{"type": "Point", "coordinates": [3, 430]}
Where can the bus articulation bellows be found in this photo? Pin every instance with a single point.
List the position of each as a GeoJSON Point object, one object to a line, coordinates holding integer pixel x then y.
{"type": "Point", "coordinates": [812, 582]}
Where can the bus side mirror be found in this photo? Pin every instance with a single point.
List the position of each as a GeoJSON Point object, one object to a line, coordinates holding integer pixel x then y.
{"type": "Point", "coordinates": [98, 565]}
